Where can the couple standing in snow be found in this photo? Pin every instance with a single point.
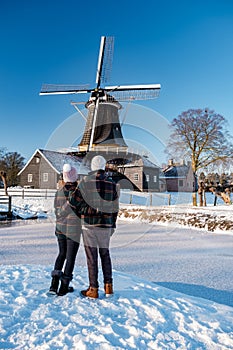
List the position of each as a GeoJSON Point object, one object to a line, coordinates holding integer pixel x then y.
{"type": "Point", "coordinates": [89, 208]}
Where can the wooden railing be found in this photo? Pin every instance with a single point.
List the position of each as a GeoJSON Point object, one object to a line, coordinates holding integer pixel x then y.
{"type": "Point", "coordinates": [6, 202]}
{"type": "Point", "coordinates": [126, 197]}
{"type": "Point", "coordinates": [29, 193]}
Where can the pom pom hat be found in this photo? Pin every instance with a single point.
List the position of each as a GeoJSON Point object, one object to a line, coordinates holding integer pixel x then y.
{"type": "Point", "coordinates": [69, 173]}
{"type": "Point", "coordinates": [98, 163]}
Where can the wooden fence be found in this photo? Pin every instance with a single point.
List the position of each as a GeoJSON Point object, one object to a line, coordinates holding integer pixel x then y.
{"type": "Point", "coordinates": [6, 202]}
{"type": "Point", "coordinates": [29, 193]}
{"type": "Point", "coordinates": [126, 197]}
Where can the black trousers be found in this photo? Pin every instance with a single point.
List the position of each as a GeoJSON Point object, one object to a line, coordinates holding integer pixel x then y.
{"type": "Point", "coordinates": [96, 241]}
{"type": "Point", "coordinates": [68, 250]}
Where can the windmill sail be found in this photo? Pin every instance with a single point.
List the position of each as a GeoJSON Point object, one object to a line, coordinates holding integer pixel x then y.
{"type": "Point", "coordinates": [134, 92]}
{"type": "Point", "coordinates": [53, 89]}
{"type": "Point", "coordinates": [105, 60]}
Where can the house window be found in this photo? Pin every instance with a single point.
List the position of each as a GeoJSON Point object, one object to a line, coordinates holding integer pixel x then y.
{"type": "Point", "coordinates": [37, 160]}
{"type": "Point", "coordinates": [45, 177]}
{"type": "Point", "coordinates": [136, 177]}
{"type": "Point", "coordinates": [181, 183]}
{"type": "Point", "coordinates": [30, 177]}
{"type": "Point", "coordinates": [155, 178]}
{"type": "Point", "coordinates": [147, 178]}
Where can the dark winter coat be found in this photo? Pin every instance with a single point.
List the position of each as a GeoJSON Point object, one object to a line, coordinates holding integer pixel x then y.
{"type": "Point", "coordinates": [67, 218]}
{"type": "Point", "coordinates": [100, 194]}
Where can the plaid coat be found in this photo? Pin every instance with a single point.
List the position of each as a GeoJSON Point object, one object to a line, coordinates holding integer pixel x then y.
{"type": "Point", "coordinates": [67, 220]}
{"type": "Point", "coordinates": [100, 194]}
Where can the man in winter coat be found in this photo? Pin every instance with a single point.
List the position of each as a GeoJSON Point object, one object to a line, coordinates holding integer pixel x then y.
{"type": "Point", "coordinates": [68, 231]}
{"type": "Point", "coordinates": [99, 216]}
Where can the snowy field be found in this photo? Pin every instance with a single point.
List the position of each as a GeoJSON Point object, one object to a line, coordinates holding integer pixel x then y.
{"type": "Point", "coordinates": [173, 290]}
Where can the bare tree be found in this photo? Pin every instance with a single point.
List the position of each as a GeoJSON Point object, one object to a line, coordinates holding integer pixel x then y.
{"type": "Point", "coordinates": [202, 136]}
{"type": "Point", "coordinates": [3, 177]}
{"type": "Point", "coordinates": [10, 163]}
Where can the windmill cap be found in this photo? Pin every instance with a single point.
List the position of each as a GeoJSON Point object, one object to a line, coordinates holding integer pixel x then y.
{"type": "Point", "coordinates": [98, 163]}
{"type": "Point", "coordinates": [69, 173]}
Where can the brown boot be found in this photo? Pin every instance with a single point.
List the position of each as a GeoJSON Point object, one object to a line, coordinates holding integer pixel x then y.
{"type": "Point", "coordinates": [108, 288]}
{"type": "Point", "coordinates": [91, 292]}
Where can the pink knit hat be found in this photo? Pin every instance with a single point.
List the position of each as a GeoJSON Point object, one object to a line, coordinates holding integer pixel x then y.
{"type": "Point", "coordinates": [69, 173]}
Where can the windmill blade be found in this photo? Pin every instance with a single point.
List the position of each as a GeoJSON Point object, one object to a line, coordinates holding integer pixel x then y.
{"type": "Point", "coordinates": [105, 60]}
{"type": "Point", "coordinates": [51, 89]}
{"type": "Point", "coordinates": [133, 92]}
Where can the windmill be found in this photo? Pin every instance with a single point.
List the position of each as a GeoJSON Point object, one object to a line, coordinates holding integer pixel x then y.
{"type": "Point", "coordinates": [103, 129]}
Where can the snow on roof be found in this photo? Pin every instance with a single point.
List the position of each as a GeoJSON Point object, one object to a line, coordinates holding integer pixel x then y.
{"type": "Point", "coordinates": [176, 171]}
{"type": "Point", "coordinates": [142, 161]}
{"type": "Point", "coordinates": [58, 159]}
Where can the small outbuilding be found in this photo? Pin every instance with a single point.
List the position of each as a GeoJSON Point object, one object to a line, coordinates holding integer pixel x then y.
{"type": "Point", "coordinates": [44, 169]}
{"type": "Point", "coordinates": [179, 177]}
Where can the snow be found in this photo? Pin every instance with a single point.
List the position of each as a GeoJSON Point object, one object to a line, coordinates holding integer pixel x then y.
{"type": "Point", "coordinates": [140, 315]}
{"type": "Point", "coordinates": [173, 284]}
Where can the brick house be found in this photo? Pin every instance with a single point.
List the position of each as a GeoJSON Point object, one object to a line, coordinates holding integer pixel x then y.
{"type": "Point", "coordinates": [179, 177]}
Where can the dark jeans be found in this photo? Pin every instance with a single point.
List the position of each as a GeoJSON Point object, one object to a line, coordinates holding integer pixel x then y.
{"type": "Point", "coordinates": [97, 240]}
{"type": "Point", "coordinates": [67, 251]}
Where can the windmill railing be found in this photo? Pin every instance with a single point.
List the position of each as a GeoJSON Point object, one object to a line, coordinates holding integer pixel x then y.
{"type": "Point", "coordinates": [120, 150]}
{"type": "Point", "coordinates": [110, 149]}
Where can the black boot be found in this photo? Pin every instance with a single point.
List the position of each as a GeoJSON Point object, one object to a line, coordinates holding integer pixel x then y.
{"type": "Point", "coordinates": [64, 288]}
{"type": "Point", "coordinates": [55, 274]}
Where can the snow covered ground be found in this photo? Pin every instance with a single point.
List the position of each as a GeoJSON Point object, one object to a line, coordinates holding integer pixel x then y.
{"type": "Point", "coordinates": [141, 315]}
{"type": "Point", "coordinates": [173, 290]}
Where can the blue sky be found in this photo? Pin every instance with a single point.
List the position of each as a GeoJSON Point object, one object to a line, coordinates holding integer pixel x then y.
{"type": "Point", "coordinates": [186, 46]}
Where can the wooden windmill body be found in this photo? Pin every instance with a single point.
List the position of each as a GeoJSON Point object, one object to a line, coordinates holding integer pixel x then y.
{"type": "Point", "coordinates": [107, 132]}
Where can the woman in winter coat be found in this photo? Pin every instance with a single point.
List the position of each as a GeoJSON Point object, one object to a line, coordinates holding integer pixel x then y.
{"type": "Point", "coordinates": [68, 232]}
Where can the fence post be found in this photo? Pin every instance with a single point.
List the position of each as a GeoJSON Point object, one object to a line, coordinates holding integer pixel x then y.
{"type": "Point", "coordinates": [151, 199]}
{"type": "Point", "coordinates": [9, 206]}
{"type": "Point", "coordinates": [130, 198]}
{"type": "Point", "coordinates": [23, 193]}
{"type": "Point", "coordinates": [169, 199]}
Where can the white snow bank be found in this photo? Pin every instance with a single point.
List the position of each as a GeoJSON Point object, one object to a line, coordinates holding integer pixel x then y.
{"type": "Point", "coordinates": [140, 315]}
{"type": "Point", "coordinates": [211, 218]}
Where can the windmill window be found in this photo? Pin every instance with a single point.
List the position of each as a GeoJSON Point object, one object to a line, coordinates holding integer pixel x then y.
{"type": "Point", "coordinates": [30, 177]}
{"type": "Point", "coordinates": [147, 178]}
{"type": "Point", "coordinates": [45, 177]}
{"type": "Point", "coordinates": [155, 178]}
{"type": "Point", "coordinates": [136, 177]}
